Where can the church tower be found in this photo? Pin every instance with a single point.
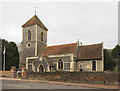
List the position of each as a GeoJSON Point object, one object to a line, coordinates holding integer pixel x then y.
{"type": "Point", "coordinates": [34, 37]}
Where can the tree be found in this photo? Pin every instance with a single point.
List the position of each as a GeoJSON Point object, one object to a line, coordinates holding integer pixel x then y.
{"type": "Point", "coordinates": [11, 55]}
{"type": "Point", "coordinates": [116, 51]}
{"type": "Point", "coordinates": [109, 64]}
{"type": "Point", "coordinates": [116, 56]}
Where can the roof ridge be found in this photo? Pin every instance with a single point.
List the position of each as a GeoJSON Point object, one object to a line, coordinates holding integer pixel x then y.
{"type": "Point", "coordinates": [36, 19]}
{"type": "Point", "coordinates": [62, 44]}
{"type": "Point", "coordinates": [91, 44]}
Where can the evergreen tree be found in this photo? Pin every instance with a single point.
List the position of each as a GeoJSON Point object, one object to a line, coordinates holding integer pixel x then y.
{"type": "Point", "coordinates": [116, 56]}
{"type": "Point", "coordinates": [116, 51]}
{"type": "Point", "coordinates": [0, 54]}
{"type": "Point", "coordinates": [11, 55]}
{"type": "Point", "coordinates": [109, 64]}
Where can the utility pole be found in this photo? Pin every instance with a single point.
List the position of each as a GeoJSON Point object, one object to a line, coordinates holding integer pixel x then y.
{"type": "Point", "coordinates": [4, 59]}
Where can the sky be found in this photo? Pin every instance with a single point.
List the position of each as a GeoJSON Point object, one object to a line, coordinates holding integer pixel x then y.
{"type": "Point", "coordinates": [90, 22]}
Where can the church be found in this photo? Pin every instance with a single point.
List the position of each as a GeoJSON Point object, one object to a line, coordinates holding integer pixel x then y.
{"type": "Point", "coordinates": [36, 56]}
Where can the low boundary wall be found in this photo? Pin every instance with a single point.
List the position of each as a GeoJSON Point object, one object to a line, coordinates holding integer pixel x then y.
{"type": "Point", "coordinates": [8, 74]}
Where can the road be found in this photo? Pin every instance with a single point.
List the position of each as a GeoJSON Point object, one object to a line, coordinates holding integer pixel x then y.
{"type": "Point", "coordinates": [29, 86]}
{"type": "Point", "coordinates": [11, 84]}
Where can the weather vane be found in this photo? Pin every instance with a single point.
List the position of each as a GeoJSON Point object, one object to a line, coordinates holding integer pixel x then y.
{"type": "Point", "coordinates": [35, 10]}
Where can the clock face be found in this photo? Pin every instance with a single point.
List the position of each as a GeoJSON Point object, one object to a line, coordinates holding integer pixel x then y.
{"type": "Point", "coordinates": [41, 59]}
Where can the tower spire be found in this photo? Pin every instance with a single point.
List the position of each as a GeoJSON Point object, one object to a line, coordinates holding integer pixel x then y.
{"type": "Point", "coordinates": [35, 10]}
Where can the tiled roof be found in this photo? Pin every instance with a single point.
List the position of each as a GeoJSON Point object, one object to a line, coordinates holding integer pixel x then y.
{"type": "Point", "coordinates": [34, 20]}
{"type": "Point", "coordinates": [90, 51]}
{"type": "Point", "coordinates": [59, 49]}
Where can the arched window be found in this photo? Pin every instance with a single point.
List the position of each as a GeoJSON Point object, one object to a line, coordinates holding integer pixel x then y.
{"type": "Point", "coordinates": [29, 35]}
{"type": "Point", "coordinates": [42, 36]}
{"type": "Point", "coordinates": [60, 64]}
{"type": "Point", "coordinates": [93, 65]}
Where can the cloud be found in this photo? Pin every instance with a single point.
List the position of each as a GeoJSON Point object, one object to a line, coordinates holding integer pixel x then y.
{"type": "Point", "coordinates": [90, 22]}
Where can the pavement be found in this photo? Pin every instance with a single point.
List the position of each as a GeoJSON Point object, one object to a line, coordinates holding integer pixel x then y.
{"type": "Point", "coordinates": [81, 85]}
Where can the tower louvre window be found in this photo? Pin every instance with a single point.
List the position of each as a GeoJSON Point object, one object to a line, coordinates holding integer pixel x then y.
{"type": "Point", "coordinates": [29, 35]}
{"type": "Point", "coordinates": [42, 36]}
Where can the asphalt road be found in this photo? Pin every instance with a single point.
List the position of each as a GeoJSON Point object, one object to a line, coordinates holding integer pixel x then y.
{"type": "Point", "coordinates": [29, 86]}
{"type": "Point", "coordinates": [10, 84]}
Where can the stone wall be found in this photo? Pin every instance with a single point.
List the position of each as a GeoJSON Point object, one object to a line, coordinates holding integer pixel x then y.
{"type": "Point", "coordinates": [78, 77]}
{"type": "Point", "coordinates": [99, 65]}
{"type": "Point", "coordinates": [40, 44]}
{"type": "Point", "coordinates": [84, 65]}
{"type": "Point", "coordinates": [25, 51]}
{"type": "Point", "coordinates": [39, 31]}
{"type": "Point", "coordinates": [35, 43]}
{"type": "Point", "coordinates": [43, 63]}
{"type": "Point", "coordinates": [25, 33]}
{"type": "Point", "coordinates": [33, 64]}
{"type": "Point", "coordinates": [87, 65]}
{"type": "Point", "coordinates": [66, 62]}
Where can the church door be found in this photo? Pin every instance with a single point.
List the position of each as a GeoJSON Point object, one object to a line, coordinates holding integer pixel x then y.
{"type": "Point", "coordinates": [41, 68]}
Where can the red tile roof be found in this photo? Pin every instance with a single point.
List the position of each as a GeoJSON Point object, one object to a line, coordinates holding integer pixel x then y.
{"type": "Point", "coordinates": [59, 49]}
{"type": "Point", "coordinates": [90, 51]}
{"type": "Point", "coordinates": [34, 20]}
